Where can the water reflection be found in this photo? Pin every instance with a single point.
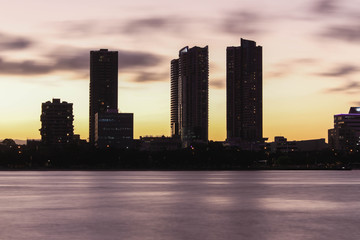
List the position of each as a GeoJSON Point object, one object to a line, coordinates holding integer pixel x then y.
{"type": "Point", "coordinates": [180, 205]}
{"type": "Point", "coordinates": [294, 205]}
{"type": "Point", "coordinates": [219, 201]}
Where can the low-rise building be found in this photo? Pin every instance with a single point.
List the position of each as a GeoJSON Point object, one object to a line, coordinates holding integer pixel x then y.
{"type": "Point", "coordinates": [113, 129]}
{"type": "Point", "coordinates": [281, 144]}
{"type": "Point", "coordinates": [151, 143]}
{"type": "Point", "coordinates": [345, 136]}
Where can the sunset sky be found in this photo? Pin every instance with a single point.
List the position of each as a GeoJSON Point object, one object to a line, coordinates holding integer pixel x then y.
{"type": "Point", "coordinates": [311, 52]}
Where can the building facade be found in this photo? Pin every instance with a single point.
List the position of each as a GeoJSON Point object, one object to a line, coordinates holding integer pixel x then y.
{"type": "Point", "coordinates": [281, 144]}
{"type": "Point", "coordinates": [174, 104]}
{"type": "Point", "coordinates": [103, 85]}
{"type": "Point", "coordinates": [56, 122]}
{"type": "Point", "coordinates": [151, 143]}
{"type": "Point", "coordinates": [113, 129]}
{"type": "Point", "coordinates": [244, 92]}
{"type": "Point", "coordinates": [345, 136]}
{"type": "Point", "coordinates": [190, 75]}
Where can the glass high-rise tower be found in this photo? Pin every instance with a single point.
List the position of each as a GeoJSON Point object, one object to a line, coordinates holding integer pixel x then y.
{"type": "Point", "coordinates": [244, 92]}
{"type": "Point", "coordinates": [190, 95]}
{"type": "Point", "coordinates": [174, 105]}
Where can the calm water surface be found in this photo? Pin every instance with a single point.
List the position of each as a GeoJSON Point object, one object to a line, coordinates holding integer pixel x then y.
{"type": "Point", "coordinates": [255, 205]}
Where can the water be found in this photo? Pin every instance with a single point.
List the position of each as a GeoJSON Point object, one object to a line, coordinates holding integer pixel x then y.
{"type": "Point", "coordinates": [144, 205]}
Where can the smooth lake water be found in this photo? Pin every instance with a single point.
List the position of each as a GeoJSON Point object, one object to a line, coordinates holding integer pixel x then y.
{"type": "Point", "coordinates": [142, 205]}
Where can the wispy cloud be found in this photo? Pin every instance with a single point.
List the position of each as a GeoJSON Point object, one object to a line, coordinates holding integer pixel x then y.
{"type": "Point", "coordinates": [349, 32]}
{"type": "Point", "coordinates": [76, 61]}
{"type": "Point", "coordinates": [130, 27]}
{"type": "Point", "coordinates": [325, 6]}
{"type": "Point", "coordinates": [143, 77]}
{"type": "Point", "coordinates": [8, 42]}
{"type": "Point", "coordinates": [341, 71]}
{"type": "Point", "coordinates": [71, 61]}
{"type": "Point", "coordinates": [27, 67]}
{"type": "Point", "coordinates": [288, 67]}
{"type": "Point", "coordinates": [153, 24]}
{"type": "Point", "coordinates": [134, 59]}
{"type": "Point", "coordinates": [217, 83]}
{"type": "Point", "coordinates": [304, 61]}
{"type": "Point", "coordinates": [357, 103]}
{"type": "Point", "coordinates": [342, 22]}
{"type": "Point", "coordinates": [78, 28]}
{"type": "Point", "coordinates": [347, 88]}
{"type": "Point", "coordinates": [242, 23]}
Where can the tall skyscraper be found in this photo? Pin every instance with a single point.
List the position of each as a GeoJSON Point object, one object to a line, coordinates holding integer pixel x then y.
{"type": "Point", "coordinates": [56, 122]}
{"type": "Point", "coordinates": [244, 92]}
{"type": "Point", "coordinates": [190, 95]}
{"type": "Point", "coordinates": [103, 85]}
{"type": "Point", "coordinates": [174, 98]}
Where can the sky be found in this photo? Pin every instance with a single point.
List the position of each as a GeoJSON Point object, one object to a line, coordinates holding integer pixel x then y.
{"type": "Point", "coordinates": [311, 56]}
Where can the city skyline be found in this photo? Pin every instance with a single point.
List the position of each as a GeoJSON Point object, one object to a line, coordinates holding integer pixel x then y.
{"type": "Point", "coordinates": [311, 57]}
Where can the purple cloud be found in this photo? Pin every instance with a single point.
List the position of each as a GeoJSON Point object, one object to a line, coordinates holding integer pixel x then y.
{"type": "Point", "coordinates": [27, 67]}
{"type": "Point", "coordinates": [325, 6]}
{"type": "Point", "coordinates": [76, 61]}
{"type": "Point", "coordinates": [8, 42]}
{"type": "Point", "coordinates": [341, 71]}
{"type": "Point", "coordinates": [241, 23]}
{"type": "Point", "coordinates": [217, 84]}
{"type": "Point", "coordinates": [349, 33]}
{"type": "Point", "coordinates": [285, 68]}
{"type": "Point", "coordinates": [143, 77]}
{"type": "Point", "coordinates": [348, 88]}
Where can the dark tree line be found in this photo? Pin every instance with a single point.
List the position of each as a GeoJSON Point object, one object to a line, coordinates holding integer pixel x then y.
{"type": "Point", "coordinates": [213, 156]}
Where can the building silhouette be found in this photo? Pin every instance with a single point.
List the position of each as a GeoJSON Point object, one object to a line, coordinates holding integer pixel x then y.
{"type": "Point", "coordinates": [345, 136]}
{"type": "Point", "coordinates": [56, 122]}
{"type": "Point", "coordinates": [159, 143]}
{"type": "Point", "coordinates": [282, 145]}
{"type": "Point", "coordinates": [103, 85]}
{"type": "Point", "coordinates": [174, 111]}
{"type": "Point", "coordinates": [113, 129]}
{"type": "Point", "coordinates": [190, 95]}
{"type": "Point", "coordinates": [244, 93]}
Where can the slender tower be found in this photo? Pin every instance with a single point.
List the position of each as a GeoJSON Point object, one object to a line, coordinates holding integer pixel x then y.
{"type": "Point", "coordinates": [103, 85]}
{"type": "Point", "coordinates": [190, 75]}
{"type": "Point", "coordinates": [174, 98]}
{"type": "Point", "coordinates": [244, 92]}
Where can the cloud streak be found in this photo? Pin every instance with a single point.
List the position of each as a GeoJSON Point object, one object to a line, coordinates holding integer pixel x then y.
{"type": "Point", "coordinates": [286, 68]}
{"type": "Point", "coordinates": [243, 22]}
{"type": "Point", "coordinates": [341, 71]}
{"type": "Point", "coordinates": [130, 27]}
{"type": "Point", "coordinates": [78, 28]}
{"type": "Point", "coordinates": [355, 103]}
{"type": "Point", "coordinates": [348, 88]}
{"type": "Point", "coordinates": [217, 84]}
{"type": "Point", "coordinates": [8, 42]}
{"type": "Point", "coordinates": [23, 68]}
{"type": "Point", "coordinates": [134, 59]}
{"type": "Point", "coordinates": [144, 77]}
{"type": "Point", "coordinates": [76, 61]}
{"type": "Point", "coordinates": [349, 33]}
{"type": "Point", "coordinates": [325, 7]}
{"type": "Point", "coordinates": [149, 24]}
